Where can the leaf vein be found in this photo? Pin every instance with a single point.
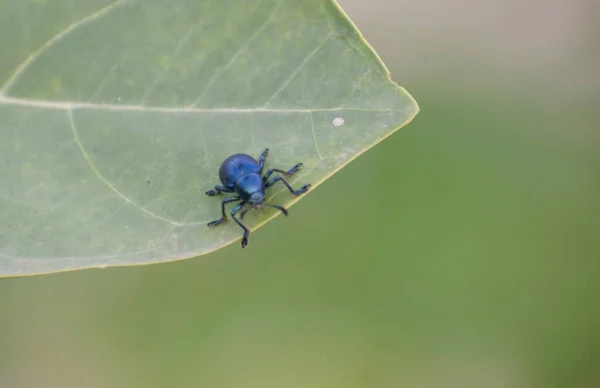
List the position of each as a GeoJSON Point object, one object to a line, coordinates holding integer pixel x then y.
{"type": "Point", "coordinates": [297, 70]}
{"type": "Point", "coordinates": [164, 71]}
{"type": "Point", "coordinates": [49, 43]}
{"type": "Point", "coordinates": [314, 134]}
{"type": "Point", "coordinates": [102, 178]}
{"type": "Point", "coordinates": [235, 56]}
{"type": "Point", "coordinates": [107, 76]}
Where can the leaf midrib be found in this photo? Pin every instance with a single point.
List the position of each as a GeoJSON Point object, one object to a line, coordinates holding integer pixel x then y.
{"type": "Point", "coordinates": [70, 105]}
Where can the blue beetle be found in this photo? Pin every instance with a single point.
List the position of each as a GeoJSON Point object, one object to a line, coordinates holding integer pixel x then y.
{"type": "Point", "coordinates": [241, 174]}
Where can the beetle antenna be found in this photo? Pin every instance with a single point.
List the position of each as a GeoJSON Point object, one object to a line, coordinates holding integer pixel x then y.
{"type": "Point", "coordinates": [282, 209]}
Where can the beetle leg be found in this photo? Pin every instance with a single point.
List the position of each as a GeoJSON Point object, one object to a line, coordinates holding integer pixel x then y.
{"type": "Point", "coordinates": [282, 209]}
{"type": "Point", "coordinates": [289, 172]}
{"type": "Point", "coordinates": [244, 214]}
{"type": "Point", "coordinates": [218, 190]}
{"type": "Point", "coordinates": [278, 178]}
{"type": "Point", "coordinates": [234, 211]}
{"type": "Point", "coordinates": [223, 203]}
{"type": "Point", "coordinates": [262, 158]}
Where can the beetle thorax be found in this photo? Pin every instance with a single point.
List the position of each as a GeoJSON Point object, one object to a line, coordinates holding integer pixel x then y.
{"type": "Point", "coordinates": [251, 188]}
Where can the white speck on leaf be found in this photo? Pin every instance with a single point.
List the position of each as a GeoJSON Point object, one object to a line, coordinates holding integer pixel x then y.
{"type": "Point", "coordinates": [338, 121]}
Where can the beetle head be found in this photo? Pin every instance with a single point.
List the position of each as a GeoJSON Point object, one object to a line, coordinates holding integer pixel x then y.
{"type": "Point", "coordinates": [257, 199]}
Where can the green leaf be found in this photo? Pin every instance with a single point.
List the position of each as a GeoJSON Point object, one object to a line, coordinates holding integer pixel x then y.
{"type": "Point", "coordinates": [115, 117]}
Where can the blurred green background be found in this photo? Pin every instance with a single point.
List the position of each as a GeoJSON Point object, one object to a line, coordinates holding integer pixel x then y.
{"type": "Point", "coordinates": [464, 251]}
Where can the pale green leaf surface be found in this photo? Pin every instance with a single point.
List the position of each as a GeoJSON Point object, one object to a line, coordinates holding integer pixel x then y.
{"type": "Point", "coordinates": [115, 117]}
